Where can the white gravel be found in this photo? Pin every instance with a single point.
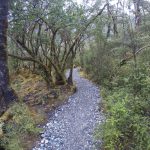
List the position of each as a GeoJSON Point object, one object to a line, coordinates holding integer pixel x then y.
{"type": "Point", "coordinates": [72, 125]}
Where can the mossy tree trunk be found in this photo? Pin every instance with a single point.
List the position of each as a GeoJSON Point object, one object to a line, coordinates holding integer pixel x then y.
{"type": "Point", "coordinates": [60, 78]}
{"type": "Point", "coordinates": [6, 93]}
{"type": "Point", "coordinates": [70, 78]}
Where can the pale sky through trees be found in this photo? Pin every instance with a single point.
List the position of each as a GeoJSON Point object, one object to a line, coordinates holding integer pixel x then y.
{"type": "Point", "coordinates": [81, 1]}
{"type": "Point", "coordinates": [114, 2]}
{"type": "Point", "coordinates": [91, 1]}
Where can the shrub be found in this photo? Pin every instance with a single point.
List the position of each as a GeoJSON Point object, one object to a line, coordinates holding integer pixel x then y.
{"type": "Point", "coordinates": [127, 107]}
{"type": "Point", "coordinates": [99, 64]}
{"type": "Point", "coordinates": [18, 127]}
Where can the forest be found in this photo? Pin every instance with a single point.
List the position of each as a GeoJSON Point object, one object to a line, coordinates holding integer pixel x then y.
{"type": "Point", "coordinates": [75, 74]}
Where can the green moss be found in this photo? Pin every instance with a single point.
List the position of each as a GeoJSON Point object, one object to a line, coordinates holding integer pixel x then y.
{"type": "Point", "coordinates": [21, 125]}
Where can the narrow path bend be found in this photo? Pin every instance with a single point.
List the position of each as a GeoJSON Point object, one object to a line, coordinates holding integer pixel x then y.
{"type": "Point", "coordinates": [72, 125]}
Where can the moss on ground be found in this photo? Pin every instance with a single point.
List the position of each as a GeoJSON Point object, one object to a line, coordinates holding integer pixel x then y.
{"type": "Point", "coordinates": [35, 100]}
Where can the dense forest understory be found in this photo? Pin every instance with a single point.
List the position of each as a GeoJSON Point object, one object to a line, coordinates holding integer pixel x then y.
{"type": "Point", "coordinates": [41, 40]}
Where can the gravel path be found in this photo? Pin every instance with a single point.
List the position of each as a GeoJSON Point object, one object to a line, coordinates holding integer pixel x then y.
{"type": "Point", "coordinates": [72, 125]}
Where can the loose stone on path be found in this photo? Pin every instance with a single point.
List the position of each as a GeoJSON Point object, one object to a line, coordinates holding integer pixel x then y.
{"type": "Point", "coordinates": [72, 125]}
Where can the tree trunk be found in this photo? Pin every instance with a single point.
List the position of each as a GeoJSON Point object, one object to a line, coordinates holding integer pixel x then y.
{"type": "Point", "coordinates": [137, 13]}
{"type": "Point", "coordinates": [60, 79]}
{"type": "Point", "coordinates": [6, 93]}
{"type": "Point", "coordinates": [46, 75]}
{"type": "Point", "coordinates": [109, 23]}
{"type": "Point", "coordinates": [108, 30]}
{"type": "Point", "coordinates": [70, 78]}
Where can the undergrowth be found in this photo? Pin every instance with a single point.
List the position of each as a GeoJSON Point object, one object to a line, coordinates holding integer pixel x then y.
{"type": "Point", "coordinates": [125, 91]}
{"type": "Point", "coordinates": [127, 109]}
{"type": "Point", "coordinates": [20, 131]}
{"type": "Point", "coordinates": [17, 128]}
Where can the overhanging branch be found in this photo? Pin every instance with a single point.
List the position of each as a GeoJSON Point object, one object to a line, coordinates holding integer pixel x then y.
{"type": "Point", "coordinates": [27, 59]}
{"type": "Point", "coordinates": [137, 52]}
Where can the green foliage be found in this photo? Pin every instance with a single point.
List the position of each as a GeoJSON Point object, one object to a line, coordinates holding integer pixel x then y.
{"type": "Point", "coordinates": [16, 129]}
{"type": "Point", "coordinates": [126, 88]}
{"type": "Point", "coordinates": [127, 106]}
{"type": "Point", "coordinates": [46, 32]}
{"type": "Point", "coordinates": [51, 32]}
{"type": "Point", "coordinates": [99, 63]}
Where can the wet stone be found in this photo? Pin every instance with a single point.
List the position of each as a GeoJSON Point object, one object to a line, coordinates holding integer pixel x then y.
{"type": "Point", "coordinates": [72, 125]}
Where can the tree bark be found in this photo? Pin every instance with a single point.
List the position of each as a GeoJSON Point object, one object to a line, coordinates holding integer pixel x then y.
{"type": "Point", "coordinates": [70, 78]}
{"type": "Point", "coordinates": [7, 95]}
{"type": "Point", "coordinates": [60, 78]}
{"type": "Point", "coordinates": [137, 13]}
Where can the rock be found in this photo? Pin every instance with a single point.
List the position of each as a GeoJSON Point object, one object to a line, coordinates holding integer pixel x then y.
{"type": "Point", "coordinates": [46, 141]}
{"type": "Point", "coordinates": [72, 125]}
{"type": "Point", "coordinates": [56, 115]}
{"type": "Point", "coordinates": [42, 145]}
{"type": "Point", "coordinates": [42, 135]}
